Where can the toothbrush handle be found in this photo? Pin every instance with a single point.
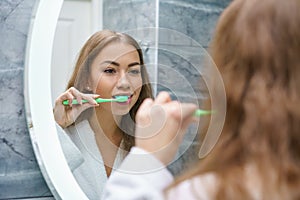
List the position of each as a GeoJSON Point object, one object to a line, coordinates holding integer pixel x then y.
{"type": "Point", "coordinates": [200, 112]}
{"type": "Point", "coordinates": [66, 102]}
{"type": "Point", "coordinates": [98, 100]}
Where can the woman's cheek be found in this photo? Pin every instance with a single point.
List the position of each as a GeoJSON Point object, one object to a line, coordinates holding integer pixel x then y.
{"type": "Point", "coordinates": [137, 83]}
{"type": "Point", "coordinates": [105, 86]}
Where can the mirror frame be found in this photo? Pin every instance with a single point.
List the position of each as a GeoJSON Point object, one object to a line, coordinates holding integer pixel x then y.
{"type": "Point", "coordinates": [38, 105]}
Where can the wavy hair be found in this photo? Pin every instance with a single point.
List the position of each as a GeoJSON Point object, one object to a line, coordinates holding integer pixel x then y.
{"type": "Point", "coordinates": [256, 47]}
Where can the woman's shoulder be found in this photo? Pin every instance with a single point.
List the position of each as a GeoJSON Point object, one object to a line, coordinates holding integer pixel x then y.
{"type": "Point", "coordinates": [70, 150]}
{"type": "Point", "coordinates": [82, 125]}
{"type": "Point", "coordinates": [205, 186]}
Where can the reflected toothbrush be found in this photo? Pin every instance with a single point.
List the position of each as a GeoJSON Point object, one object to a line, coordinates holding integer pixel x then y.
{"type": "Point", "coordinates": [98, 100]}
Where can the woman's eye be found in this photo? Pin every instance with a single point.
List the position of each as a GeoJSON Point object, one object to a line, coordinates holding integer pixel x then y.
{"type": "Point", "coordinates": [134, 71]}
{"type": "Point", "coordinates": [110, 71]}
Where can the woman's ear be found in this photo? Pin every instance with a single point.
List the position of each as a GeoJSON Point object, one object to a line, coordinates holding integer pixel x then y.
{"type": "Point", "coordinates": [89, 86]}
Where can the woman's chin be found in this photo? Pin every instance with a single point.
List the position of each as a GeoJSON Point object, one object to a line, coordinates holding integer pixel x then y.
{"type": "Point", "coordinates": [121, 110]}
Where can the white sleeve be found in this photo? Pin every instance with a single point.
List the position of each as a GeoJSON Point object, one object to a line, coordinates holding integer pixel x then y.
{"type": "Point", "coordinates": [140, 176]}
{"type": "Point", "coordinates": [72, 154]}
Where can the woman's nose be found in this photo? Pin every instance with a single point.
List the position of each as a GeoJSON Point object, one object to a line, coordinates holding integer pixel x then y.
{"type": "Point", "coordinates": [123, 82]}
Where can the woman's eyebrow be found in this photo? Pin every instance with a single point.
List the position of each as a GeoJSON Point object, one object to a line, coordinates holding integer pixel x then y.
{"type": "Point", "coordinates": [110, 63]}
{"type": "Point", "coordinates": [134, 64]}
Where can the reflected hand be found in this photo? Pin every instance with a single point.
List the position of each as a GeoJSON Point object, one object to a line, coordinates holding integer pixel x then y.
{"type": "Point", "coordinates": [161, 125]}
{"type": "Point", "coordinates": [66, 115]}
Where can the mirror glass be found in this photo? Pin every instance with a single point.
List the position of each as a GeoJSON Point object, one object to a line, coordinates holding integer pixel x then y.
{"type": "Point", "coordinates": [77, 21]}
{"type": "Point", "coordinates": [59, 31]}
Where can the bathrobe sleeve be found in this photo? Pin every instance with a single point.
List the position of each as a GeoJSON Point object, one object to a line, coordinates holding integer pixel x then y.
{"type": "Point", "coordinates": [140, 176]}
{"type": "Point", "coordinates": [72, 154]}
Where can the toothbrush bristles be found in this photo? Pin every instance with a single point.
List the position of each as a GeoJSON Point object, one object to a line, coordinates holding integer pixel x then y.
{"type": "Point", "coordinates": [122, 98]}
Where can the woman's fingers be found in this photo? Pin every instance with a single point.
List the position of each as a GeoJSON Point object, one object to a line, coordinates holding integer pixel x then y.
{"type": "Point", "coordinates": [66, 115]}
{"type": "Point", "coordinates": [79, 96]}
{"type": "Point", "coordinates": [69, 95]}
{"type": "Point", "coordinates": [90, 98]}
{"type": "Point", "coordinates": [72, 93]}
{"type": "Point", "coordinates": [146, 103]}
{"type": "Point", "coordinates": [76, 95]}
{"type": "Point", "coordinates": [143, 113]}
{"type": "Point", "coordinates": [187, 110]}
{"type": "Point", "coordinates": [161, 125]}
{"type": "Point", "coordinates": [163, 97]}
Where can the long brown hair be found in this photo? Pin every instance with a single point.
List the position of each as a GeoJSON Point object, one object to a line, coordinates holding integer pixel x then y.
{"type": "Point", "coordinates": [81, 76]}
{"type": "Point", "coordinates": [256, 47]}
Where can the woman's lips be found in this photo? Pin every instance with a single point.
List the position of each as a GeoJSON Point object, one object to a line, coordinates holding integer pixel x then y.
{"type": "Point", "coordinates": [126, 102]}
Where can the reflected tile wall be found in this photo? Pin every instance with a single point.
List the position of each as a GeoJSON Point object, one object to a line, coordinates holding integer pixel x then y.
{"type": "Point", "coordinates": [124, 15]}
{"type": "Point", "coordinates": [195, 20]}
{"type": "Point", "coordinates": [137, 18]}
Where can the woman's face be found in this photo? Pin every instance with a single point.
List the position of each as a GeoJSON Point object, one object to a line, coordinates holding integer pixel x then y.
{"type": "Point", "coordinates": [116, 71]}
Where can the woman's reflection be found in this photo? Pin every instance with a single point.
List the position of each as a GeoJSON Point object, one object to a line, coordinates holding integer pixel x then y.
{"type": "Point", "coordinates": [110, 64]}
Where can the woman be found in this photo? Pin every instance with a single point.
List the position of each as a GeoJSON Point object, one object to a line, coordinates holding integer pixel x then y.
{"type": "Point", "coordinates": [256, 48]}
{"type": "Point", "coordinates": [110, 64]}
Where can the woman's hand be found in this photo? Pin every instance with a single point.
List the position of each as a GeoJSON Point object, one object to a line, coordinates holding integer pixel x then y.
{"type": "Point", "coordinates": [66, 115]}
{"type": "Point", "coordinates": [161, 125]}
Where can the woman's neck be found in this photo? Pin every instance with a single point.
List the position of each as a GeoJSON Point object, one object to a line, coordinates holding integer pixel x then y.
{"type": "Point", "coordinates": [106, 124]}
{"type": "Point", "coordinates": [108, 136]}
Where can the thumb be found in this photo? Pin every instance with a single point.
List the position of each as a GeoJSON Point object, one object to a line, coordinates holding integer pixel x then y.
{"type": "Point", "coordinates": [187, 110]}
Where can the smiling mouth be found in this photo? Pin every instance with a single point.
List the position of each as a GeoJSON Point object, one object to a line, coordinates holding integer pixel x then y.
{"type": "Point", "coordinates": [127, 95]}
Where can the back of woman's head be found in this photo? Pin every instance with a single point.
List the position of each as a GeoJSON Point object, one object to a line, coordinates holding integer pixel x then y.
{"type": "Point", "coordinates": [257, 50]}
{"type": "Point", "coordinates": [256, 47]}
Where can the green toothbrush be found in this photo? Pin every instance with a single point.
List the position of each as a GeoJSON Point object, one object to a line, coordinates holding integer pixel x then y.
{"type": "Point", "coordinates": [197, 113]}
{"type": "Point", "coordinates": [99, 100]}
{"type": "Point", "coordinates": [200, 112]}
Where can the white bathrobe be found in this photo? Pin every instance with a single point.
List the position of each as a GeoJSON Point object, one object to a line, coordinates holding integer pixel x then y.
{"type": "Point", "coordinates": [147, 182]}
{"type": "Point", "coordinates": [87, 163]}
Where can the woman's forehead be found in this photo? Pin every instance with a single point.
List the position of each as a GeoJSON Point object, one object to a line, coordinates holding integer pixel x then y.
{"type": "Point", "coordinates": [118, 50]}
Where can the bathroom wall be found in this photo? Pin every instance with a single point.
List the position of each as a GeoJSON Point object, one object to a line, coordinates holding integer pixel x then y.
{"type": "Point", "coordinates": [181, 66]}
{"type": "Point", "coordinates": [20, 176]}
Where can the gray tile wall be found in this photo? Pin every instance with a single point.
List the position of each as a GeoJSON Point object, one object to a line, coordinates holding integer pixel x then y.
{"type": "Point", "coordinates": [195, 20]}
{"type": "Point", "coordinates": [20, 176]}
